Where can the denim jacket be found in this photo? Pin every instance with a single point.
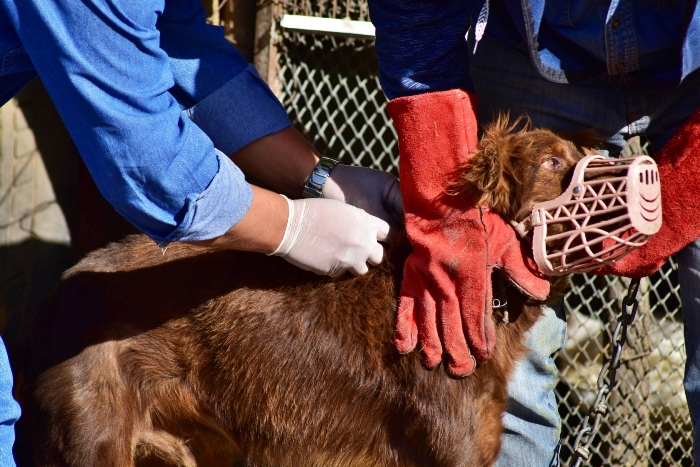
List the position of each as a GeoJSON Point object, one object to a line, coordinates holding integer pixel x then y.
{"type": "Point", "coordinates": [421, 44]}
{"type": "Point", "coordinates": [154, 99]}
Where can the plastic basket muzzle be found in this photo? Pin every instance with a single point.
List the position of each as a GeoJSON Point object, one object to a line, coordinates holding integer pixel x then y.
{"type": "Point", "coordinates": [611, 207]}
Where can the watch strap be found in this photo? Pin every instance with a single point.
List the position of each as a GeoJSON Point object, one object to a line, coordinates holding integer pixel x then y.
{"type": "Point", "coordinates": [314, 185]}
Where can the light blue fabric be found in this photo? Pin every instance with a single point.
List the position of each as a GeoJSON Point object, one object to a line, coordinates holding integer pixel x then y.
{"type": "Point", "coordinates": [207, 209]}
{"type": "Point", "coordinates": [531, 425]}
{"type": "Point", "coordinates": [9, 410]}
{"type": "Point", "coordinates": [619, 108]}
{"type": "Point", "coordinates": [421, 46]}
{"type": "Point", "coordinates": [120, 74]}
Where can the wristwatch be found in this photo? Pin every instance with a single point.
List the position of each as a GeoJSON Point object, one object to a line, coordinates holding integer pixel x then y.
{"type": "Point", "coordinates": [314, 185]}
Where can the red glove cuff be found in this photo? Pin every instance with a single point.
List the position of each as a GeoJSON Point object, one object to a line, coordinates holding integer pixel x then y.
{"type": "Point", "coordinates": [432, 131]}
{"type": "Point", "coordinates": [679, 172]}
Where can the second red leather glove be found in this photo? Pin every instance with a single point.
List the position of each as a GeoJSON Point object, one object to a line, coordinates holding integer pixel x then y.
{"type": "Point", "coordinates": [445, 298]}
{"type": "Point", "coordinates": [679, 173]}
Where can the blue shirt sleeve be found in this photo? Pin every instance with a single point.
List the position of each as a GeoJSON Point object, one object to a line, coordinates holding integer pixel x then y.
{"type": "Point", "coordinates": [241, 111]}
{"type": "Point", "coordinates": [120, 83]}
{"type": "Point", "coordinates": [421, 45]}
{"type": "Point", "coordinates": [218, 89]}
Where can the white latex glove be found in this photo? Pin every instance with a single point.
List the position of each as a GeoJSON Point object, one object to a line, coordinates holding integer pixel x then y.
{"type": "Point", "coordinates": [329, 237]}
{"type": "Point", "coordinates": [374, 191]}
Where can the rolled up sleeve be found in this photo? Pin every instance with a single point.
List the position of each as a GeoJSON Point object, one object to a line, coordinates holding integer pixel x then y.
{"type": "Point", "coordinates": [211, 213]}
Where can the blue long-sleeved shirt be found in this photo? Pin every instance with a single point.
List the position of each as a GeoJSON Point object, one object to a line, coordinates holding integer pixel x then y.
{"type": "Point", "coordinates": [154, 99]}
{"type": "Point", "coordinates": [421, 44]}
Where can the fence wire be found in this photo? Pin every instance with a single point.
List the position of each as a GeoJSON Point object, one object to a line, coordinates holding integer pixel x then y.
{"type": "Point", "coordinates": [331, 92]}
{"type": "Point", "coordinates": [351, 9]}
{"type": "Point", "coordinates": [330, 89]}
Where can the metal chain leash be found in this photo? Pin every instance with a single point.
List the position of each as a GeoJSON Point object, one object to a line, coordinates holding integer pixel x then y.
{"type": "Point", "coordinates": [594, 416]}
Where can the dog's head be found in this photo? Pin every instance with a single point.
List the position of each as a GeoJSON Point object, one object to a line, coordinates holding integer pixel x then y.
{"type": "Point", "coordinates": [516, 166]}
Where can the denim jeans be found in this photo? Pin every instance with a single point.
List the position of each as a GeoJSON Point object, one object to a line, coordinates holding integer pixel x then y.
{"type": "Point", "coordinates": [689, 279]}
{"type": "Point", "coordinates": [9, 410]}
{"type": "Point", "coordinates": [532, 425]}
{"type": "Point", "coordinates": [618, 108]}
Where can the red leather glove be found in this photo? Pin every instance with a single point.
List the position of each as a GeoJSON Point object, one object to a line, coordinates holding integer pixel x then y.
{"type": "Point", "coordinates": [679, 173]}
{"type": "Point", "coordinates": [445, 298]}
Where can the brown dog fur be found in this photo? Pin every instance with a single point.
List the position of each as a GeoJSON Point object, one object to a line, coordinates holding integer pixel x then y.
{"type": "Point", "coordinates": [201, 357]}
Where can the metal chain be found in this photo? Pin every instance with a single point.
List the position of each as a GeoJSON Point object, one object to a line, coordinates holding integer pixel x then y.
{"type": "Point", "coordinates": [591, 423]}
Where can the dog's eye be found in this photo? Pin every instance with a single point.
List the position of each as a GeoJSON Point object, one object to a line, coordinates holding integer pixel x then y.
{"type": "Point", "coordinates": [552, 163]}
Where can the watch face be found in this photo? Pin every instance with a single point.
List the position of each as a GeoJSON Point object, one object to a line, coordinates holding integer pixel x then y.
{"type": "Point", "coordinates": [317, 179]}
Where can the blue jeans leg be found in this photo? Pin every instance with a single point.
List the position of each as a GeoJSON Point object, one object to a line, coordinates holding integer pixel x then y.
{"type": "Point", "coordinates": [689, 279]}
{"type": "Point", "coordinates": [532, 426]}
{"type": "Point", "coordinates": [9, 410]}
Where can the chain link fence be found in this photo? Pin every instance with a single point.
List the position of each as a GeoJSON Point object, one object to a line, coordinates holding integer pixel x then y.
{"type": "Point", "coordinates": [648, 421]}
{"type": "Point", "coordinates": [337, 9]}
{"type": "Point", "coordinates": [330, 89]}
{"type": "Point", "coordinates": [329, 86]}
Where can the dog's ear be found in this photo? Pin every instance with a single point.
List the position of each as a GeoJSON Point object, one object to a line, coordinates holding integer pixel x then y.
{"type": "Point", "coordinates": [490, 177]}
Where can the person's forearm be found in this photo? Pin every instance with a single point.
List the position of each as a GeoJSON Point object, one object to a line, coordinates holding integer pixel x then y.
{"type": "Point", "coordinates": [260, 230]}
{"type": "Point", "coordinates": [285, 160]}
{"type": "Point", "coordinates": [282, 161]}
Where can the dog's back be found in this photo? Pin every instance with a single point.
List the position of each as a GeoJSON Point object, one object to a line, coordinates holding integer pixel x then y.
{"type": "Point", "coordinates": [202, 357]}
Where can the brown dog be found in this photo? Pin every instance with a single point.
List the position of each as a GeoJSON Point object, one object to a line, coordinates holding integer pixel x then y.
{"type": "Point", "coordinates": [206, 358]}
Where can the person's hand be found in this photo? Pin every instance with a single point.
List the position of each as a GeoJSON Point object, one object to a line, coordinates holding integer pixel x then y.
{"type": "Point", "coordinates": [445, 298]}
{"type": "Point", "coordinates": [330, 237]}
{"type": "Point", "coordinates": [320, 235]}
{"type": "Point", "coordinates": [374, 191]}
{"type": "Point", "coordinates": [679, 170]}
